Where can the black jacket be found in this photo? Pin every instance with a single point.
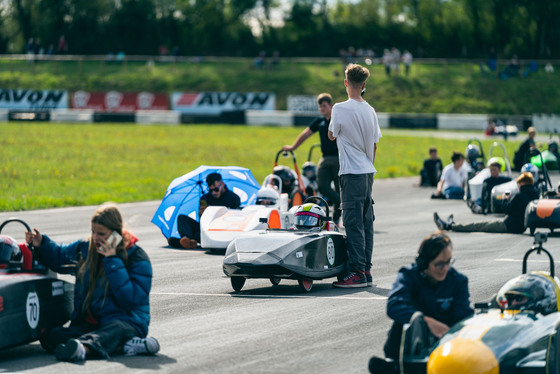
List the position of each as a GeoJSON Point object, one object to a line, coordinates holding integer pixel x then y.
{"type": "Point", "coordinates": [228, 199]}
{"type": "Point", "coordinates": [515, 220]}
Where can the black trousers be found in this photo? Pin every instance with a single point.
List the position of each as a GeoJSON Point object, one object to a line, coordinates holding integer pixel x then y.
{"type": "Point", "coordinates": [101, 340]}
{"type": "Point", "coordinates": [187, 227]}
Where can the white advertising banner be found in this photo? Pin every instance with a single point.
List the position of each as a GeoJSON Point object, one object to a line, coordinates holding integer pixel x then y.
{"type": "Point", "coordinates": [33, 99]}
{"type": "Point", "coordinates": [303, 103]}
{"type": "Point", "coordinates": [218, 102]}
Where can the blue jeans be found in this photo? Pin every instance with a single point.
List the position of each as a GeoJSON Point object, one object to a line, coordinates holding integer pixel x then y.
{"type": "Point", "coordinates": [454, 192]}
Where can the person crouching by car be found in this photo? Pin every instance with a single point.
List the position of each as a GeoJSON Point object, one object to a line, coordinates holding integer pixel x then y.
{"type": "Point", "coordinates": [430, 295]}
{"type": "Point", "coordinates": [111, 295]}
{"type": "Point", "coordinates": [514, 208]}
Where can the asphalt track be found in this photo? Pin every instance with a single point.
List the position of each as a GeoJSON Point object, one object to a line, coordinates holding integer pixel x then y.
{"type": "Point", "coordinates": [205, 327]}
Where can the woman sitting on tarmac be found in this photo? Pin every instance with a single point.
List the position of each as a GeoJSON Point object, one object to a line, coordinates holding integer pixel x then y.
{"type": "Point", "coordinates": [111, 296]}
{"type": "Point", "coordinates": [430, 295]}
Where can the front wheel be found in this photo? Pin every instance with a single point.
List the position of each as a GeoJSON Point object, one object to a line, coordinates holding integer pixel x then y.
{"type": "Point", "coordinates": [237, 283]}
{"type": "Point", "coordinates": [305, 284]}
{"type": "Point", "coordinates": [275, 281]}
{"type": "Point", "coordinates": [532, 230]}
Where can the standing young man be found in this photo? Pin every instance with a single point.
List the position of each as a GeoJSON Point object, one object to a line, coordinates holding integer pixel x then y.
{"type": "Point", "coordinates": [356, 130]}
{"type": "Point", "coordinates": [328, 165]}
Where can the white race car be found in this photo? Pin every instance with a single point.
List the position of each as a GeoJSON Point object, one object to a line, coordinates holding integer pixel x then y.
{"type": "Point", "coordinates": [220, 225]}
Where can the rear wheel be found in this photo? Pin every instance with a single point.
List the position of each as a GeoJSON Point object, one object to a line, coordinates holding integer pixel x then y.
{"type": "Point", "coordinates": [275, 281]}
{"type": "Point", "coordinates": [305, 284]}
{"type": "Point", "coordinates": [237, 283]}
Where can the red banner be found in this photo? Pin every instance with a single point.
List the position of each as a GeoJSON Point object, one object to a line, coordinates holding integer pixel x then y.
{"type": "Point", "coordinates": [114, 101]}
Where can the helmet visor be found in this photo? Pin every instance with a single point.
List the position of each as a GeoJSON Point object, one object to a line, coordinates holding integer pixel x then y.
{"type": "Point", "coordinates": [307, 219]}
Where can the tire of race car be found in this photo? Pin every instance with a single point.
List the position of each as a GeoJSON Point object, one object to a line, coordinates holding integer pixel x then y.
{"type": "Point", "coordinates": [305, 284]}
{"type": "Point", "coordinates": [532, 230]}
{"type": "Point", "coordinates": [237, 283]}
{"type": "Point", "coordinates": [275, 281]}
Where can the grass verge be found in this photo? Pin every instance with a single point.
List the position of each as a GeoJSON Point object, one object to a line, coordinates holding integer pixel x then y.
{"type": "Point", "coordinates": [57, 165]}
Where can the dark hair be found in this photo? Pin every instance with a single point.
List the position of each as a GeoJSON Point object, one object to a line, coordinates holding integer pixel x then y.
{"type": "Point", "coordinates": [324, 98]}
{"type": "Point", "coordinates": [213, 178]}
{"type": "Point", "coordinates": [496, 164]}
{"type": "Point", "coordinates": [433, 149]}
{"type": "Point", "coordinates": [456, 156]}
{"type": "Point", "coordinates": [430, 248]}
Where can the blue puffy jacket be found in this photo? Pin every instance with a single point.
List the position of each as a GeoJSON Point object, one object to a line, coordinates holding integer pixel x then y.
{"type": "Point", "coordinates": [446, 301]}
{"type": "Point", "coordinates": [128, 294]}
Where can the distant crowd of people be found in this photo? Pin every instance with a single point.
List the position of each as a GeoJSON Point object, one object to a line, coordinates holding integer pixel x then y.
{"type": "Point", "coordinates": [34, 47]}
{"type": "Point", "coordinates": [391, 58]}
{"type": "Point", "coordinates": [514, 68]}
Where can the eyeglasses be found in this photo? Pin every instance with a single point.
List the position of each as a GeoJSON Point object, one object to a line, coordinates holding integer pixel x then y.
{"type": "Point", "coordinates": [442, 264]}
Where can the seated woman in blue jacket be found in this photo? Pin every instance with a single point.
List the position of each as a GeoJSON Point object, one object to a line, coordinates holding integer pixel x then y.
{"type": "Point", "coordinates": [430, 295]}
{"type": "Point", "coordinates": [111, 297]}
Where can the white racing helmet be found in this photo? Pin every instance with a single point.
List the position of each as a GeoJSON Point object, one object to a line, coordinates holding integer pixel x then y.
{"type": "Point", "coordinates": [310, 215]}
{"type": "Point", "coordinates": [267, 196]}
{"type": "Point", "coordinates": [533, 169]}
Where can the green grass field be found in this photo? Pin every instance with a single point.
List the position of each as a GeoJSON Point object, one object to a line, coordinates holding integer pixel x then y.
{"type": "Point", "coordinates": [47, 165]}
{"type": "Point", "coordinates": [430, 88]}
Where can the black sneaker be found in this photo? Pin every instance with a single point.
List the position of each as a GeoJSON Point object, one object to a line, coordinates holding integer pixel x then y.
{"type": "Point", "coordinates": [450, 220]}
{"type": "Point", "coordinates": [378, 365]}
{"type": "Point", "coordinates": [72, 351]}
{"type": "Point", "coordinates": [441, 224]}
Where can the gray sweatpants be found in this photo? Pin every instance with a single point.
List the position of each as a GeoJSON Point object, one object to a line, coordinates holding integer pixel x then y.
{"type": "Point", "coordinates": [357, 216]}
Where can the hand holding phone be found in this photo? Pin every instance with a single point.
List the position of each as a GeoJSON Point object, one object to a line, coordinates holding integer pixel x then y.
{"type": "Point", "coordinates": [111, 239]}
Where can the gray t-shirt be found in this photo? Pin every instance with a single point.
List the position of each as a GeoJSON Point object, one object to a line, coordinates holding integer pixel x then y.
{"type": "Point", "coordinates": [355, 127]}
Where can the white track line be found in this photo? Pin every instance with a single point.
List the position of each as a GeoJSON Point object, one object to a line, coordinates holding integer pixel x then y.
{"type": "Point", "coordinates": [252, 296]}
{"type": "Point", "coordinates": [517, 260]}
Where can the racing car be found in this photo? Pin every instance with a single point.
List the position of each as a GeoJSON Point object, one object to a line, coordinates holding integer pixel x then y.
{"type": "Point", "coordinates": [517, 332]}
{"type": "Point", "coordinates": [477, 197]}
{"type": "Point", "coordinates": [220, 225]}
{"type": "Point", "coordinates": [544, 213]}
{"type": "Point", "coordinates": [31, 301]}
{"type": "Point", "coordinates": [541, 178]}
{"type": "Point", "coordinates": [309, 171]}
{"type": "Point", "coordinates": [314, 249]}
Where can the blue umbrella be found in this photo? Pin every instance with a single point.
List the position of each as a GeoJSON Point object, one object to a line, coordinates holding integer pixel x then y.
{"type": "Point", "coordinates": [184, 193]}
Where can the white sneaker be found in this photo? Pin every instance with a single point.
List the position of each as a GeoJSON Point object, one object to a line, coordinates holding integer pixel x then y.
{"type": "Point", "coordinates": [141, 346]}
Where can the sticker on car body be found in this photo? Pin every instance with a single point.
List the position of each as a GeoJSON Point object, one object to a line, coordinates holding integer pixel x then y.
{"type": "Point", "coordinates": [330, 251]}
{"type": "Point", "coordinates": [32, 309]}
